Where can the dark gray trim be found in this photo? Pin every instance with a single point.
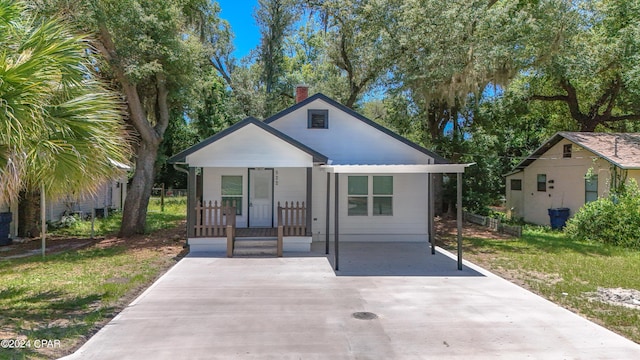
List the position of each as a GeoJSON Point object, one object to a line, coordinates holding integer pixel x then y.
{"type": "Point", "coordinates": [311, 112]}
{"type": "Point", "coordinates": [431, 211]}
{"type": "Point", "coordinates": [191, 202]}
{"type": "Point", "coordinates": [459, 220]}
{"type": "Point", "coordinates": [438, 159]}
{"type": "Point", "coordinates": [328, 215]}
{"type": "Point", "coordinates": [309, 197]}
{"type": "Point", "coordinates": [181, 156]}
{"type": "Point", "coordinates": [335, 223]}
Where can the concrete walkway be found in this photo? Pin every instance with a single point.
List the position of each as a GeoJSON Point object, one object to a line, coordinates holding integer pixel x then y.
{"type": "Point", "coordinates": [297, 307]}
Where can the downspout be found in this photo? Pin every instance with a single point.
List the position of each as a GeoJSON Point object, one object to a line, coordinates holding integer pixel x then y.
{"type": "Point", "coordinates": [183, 170]}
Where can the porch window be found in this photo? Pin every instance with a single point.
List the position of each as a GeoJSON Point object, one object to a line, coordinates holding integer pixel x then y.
{"type": "Point", "coordinates": [591, 189]}
{"type": "Point", "coordinates": [382, 195]}
{"type": "Point", "coordinates": [542, 182]}
{"type": "Point", "coordinates": [358, 191]}
{"type": "Point", "coordinates": [232, 192]}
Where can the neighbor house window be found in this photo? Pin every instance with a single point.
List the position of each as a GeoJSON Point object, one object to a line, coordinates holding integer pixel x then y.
{"type": "Point", "coordinates": [232, 192]}
{"type": "Point", "coordinates": [382, 195]}
{"type": "Point", "coordinates": [516, 184]}
{"type": "Point", "coordinates": [591, 189]}
{"type": "Point", "coordinates": [566, 151]}
{"type": "Point", "coordinates": [375, 190]}
{"type": "Point", "coordinates": [542, 182]}
{"type": "Point", "coordinates": [358, 191]}
{"type": "Point", "coordinates": [318, 119]}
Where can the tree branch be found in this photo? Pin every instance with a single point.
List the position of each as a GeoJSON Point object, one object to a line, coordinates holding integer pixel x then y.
{"type": "Point", "coordinates": [163, 106]}
{"type": "Point", "coordinates": [137, 114]}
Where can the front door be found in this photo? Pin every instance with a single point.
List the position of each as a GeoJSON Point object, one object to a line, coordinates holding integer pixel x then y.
{"type": "Point", "coordinates": [260, 197]}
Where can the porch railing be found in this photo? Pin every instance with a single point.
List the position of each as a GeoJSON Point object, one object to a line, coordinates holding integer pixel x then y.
{"type": "Point", "coordinates": [292, 221]}
{"type": "Point", "coordinates": [213, 220]}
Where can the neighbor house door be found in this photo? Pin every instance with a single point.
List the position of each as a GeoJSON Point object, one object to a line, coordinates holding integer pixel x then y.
{"type": "Point", "coordinates": [260, 197]}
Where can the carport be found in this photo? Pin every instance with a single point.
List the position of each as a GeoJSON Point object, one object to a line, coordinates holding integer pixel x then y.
{"type": "Point", "coordinates": [429, 169]}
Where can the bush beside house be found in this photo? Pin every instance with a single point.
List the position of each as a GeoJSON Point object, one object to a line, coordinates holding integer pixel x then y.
{"type": "Point", "coordinates": [611, 220]}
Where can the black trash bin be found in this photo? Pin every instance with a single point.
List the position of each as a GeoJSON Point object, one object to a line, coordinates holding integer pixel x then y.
{"type": "Point", "coordinates": [5, 221]}
{"type": "Point", "coordinates": [558, 217]}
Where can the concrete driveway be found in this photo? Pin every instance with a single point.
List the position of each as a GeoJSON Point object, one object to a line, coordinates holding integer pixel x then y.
{"type": "Point", "coordinates": [407, 303]}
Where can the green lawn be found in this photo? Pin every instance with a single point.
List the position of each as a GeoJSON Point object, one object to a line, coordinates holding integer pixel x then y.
{"type": "Point", "coordinates": [565, 272]}
{"type": "Point", "coordinates": [67, 296]}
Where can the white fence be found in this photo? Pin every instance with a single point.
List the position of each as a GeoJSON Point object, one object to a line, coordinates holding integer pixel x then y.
{"type": "Point", "coordinates": [493, 224]}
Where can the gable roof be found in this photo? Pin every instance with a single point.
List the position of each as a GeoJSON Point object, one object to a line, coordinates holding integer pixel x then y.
{"type": "Point", "coordinates": [620, 149]}
{"type": "Point", "coordinates": [182, 156]}
{"type": "Point", "coordinates": [319, 96]}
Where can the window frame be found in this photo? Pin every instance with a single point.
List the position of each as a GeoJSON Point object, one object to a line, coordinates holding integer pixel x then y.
{"type": "Point", "coordinates": [567, 150]}
{"type": "Point", "coordinates": [312, 112]}
{"type": "Point", "coordinates": [355, 197]}
{"type": "Point", "coordinates": [542, 188]}
{"type": "Point", "coordinates": [512, 188]}
{"type": "Point", "coordinates": [380, 195]}
{"type": "Point", "coordinates": [590, 180]}
{"type": "Point", "coordinates": [371, 197]}
{"type": "Point", "coordinates": [240, 197]}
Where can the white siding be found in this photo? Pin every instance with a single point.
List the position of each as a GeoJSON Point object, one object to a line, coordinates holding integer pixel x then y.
{"type": "Point", "coordinates": [567, 175]}
{"type": "Point", "coordinates": [408, 223]}
{"type": "Point", "coordinates": [289, 184]}
{"type": "Point", "coordinates": [250, 146]}
{"type": "Point", "coordinates": [347, 139]}
{"type": "Point", "coordinates": [107, 196]}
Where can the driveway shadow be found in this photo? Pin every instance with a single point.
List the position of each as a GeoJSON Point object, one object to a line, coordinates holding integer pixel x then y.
{"type": "Point", "coordinates": [393, 259]}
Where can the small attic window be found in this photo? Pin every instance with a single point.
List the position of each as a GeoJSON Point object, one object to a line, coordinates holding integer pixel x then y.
{"type": "Point", "coordinates": [318, 119]}
{"type": "Point", "coordinates": [566, 151]}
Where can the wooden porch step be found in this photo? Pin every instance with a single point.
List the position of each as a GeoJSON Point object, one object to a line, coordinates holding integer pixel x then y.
{"type": "Point", "coordinates": [255, 246]}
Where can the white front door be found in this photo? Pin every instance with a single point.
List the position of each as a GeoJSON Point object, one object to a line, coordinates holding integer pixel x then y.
{"type": "Point", "coordinates": [260, 197]}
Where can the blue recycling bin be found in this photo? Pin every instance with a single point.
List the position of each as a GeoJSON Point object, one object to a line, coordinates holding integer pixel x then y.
{"type": "Point", "coordinates": [558, 217]}
{"type": "Point", "coordinates": [5, 221]}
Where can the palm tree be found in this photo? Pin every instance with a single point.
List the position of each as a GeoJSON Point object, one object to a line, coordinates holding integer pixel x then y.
{"type": "Point", "coordinates": [60, 129]}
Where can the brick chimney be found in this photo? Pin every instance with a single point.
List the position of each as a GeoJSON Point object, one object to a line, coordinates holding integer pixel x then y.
{"type": "Point", "coordinates": [302, 92]}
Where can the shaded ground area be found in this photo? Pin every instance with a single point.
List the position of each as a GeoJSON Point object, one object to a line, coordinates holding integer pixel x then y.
{"type": "Point", "coordinates": [169, 241]}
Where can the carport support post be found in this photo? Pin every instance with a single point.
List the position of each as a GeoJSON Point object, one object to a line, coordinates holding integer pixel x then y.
{"type": "Point", "coordinates": [335, 222]}
{"type": "Point", "coordinates": [432, 208]}
{"type": "Point", "coordinates": [326, 244]}
{"type": "Point", "coordinates": [459, 220]}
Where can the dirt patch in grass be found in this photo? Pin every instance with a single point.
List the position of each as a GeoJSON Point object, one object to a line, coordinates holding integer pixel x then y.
{"type": "Point", "coordinates": [617, 296]}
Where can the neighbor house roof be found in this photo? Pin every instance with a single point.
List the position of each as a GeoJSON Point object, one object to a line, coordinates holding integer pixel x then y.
{"type": "Point", "coordinates": [182, 156]}
{"type": "Point", "coordinates": [620, 149]}
{"type": "Point", "coordinates": [437, 158]}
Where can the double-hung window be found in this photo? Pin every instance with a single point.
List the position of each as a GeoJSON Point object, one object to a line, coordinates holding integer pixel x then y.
{"type": "Point", "coordinates": [366, 190]}
{"type": "Point", "coordinates": [591, 189]}
{"type": "Point", "coordinates": [232, 192]}
{"type": "Point", "coordinates": [358, 190]}
{"type": "Point", "coordinates": [382, 195]}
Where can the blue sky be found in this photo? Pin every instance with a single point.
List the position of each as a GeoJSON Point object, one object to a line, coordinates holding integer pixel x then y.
{"type": "Point", "coordinates": [239, 13]}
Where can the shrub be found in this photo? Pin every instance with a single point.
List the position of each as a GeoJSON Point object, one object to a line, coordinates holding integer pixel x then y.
{"type": "Point", "coordinates": [613, 220]}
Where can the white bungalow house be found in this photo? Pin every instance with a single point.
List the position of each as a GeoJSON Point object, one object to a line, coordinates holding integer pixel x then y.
{"type": "Point", "coordinates": [299, 157]}
{"type": "Point", "coordinates": [569, 170]}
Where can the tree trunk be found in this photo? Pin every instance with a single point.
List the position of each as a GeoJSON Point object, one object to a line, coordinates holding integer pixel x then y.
{"type": "Point", "coordinates": [28, 213]}
{"type": "Point", "coordinates": [134, 214]}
